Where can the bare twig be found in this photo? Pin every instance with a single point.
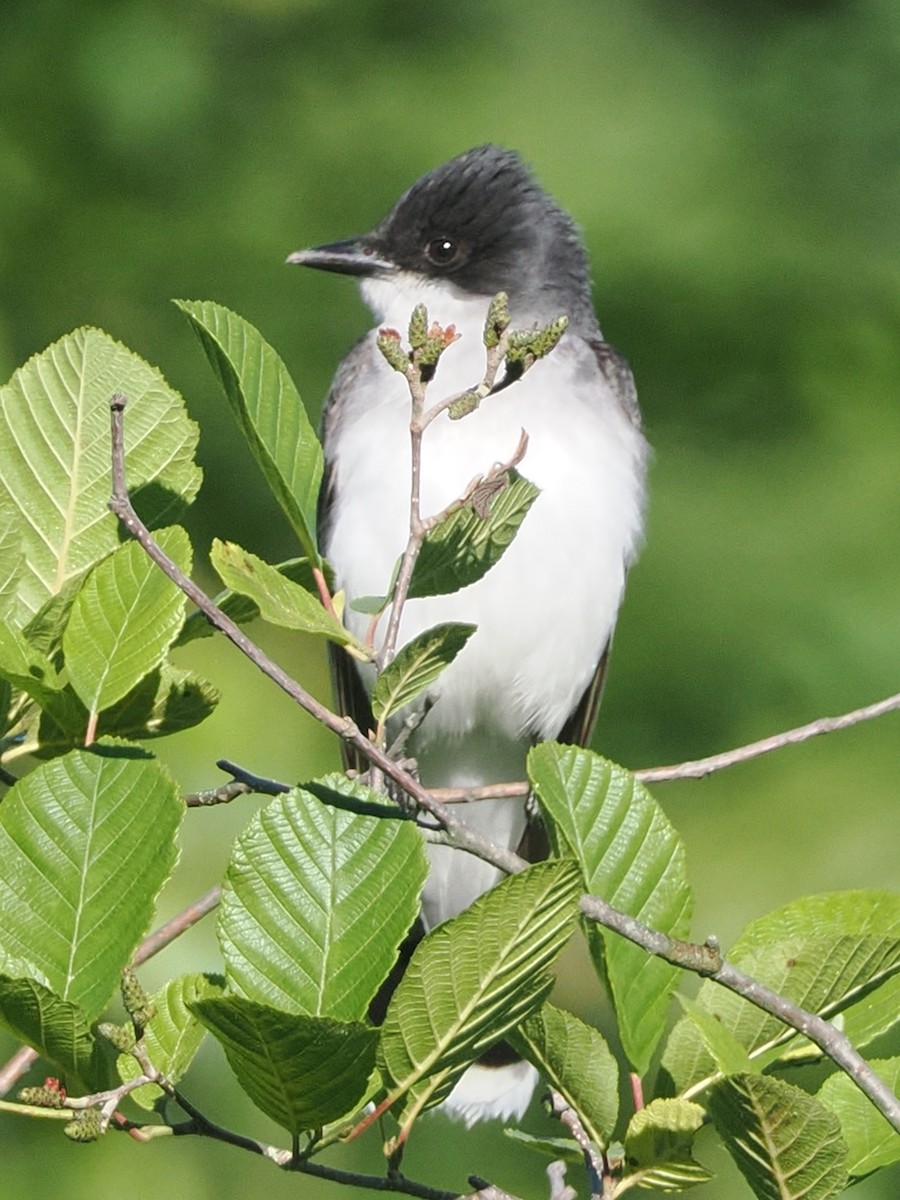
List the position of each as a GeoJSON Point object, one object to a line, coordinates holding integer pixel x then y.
{"type": "Point", "coordinates": [174, 928]}
{"type": "Point", "coordinates": [791, 737]}
{"type": "Point", "coordinates": [700, 767]}
{"type": "Point", "coordinates": [592, 1161]}
{"type": "Point", "coordinates": [559, 1189]}
{"type": "Point", "coordinates": [703, 959]}
{"type": "Point", "coordinates": [13, 1070]}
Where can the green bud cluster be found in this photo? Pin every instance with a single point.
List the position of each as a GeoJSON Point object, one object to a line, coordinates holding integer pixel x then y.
{"type": "Point", "coordinates": [388, 342]}
{"type": "Point", "coordinates": [121, 1036]}
{"type": "Point", "coordinates": [86, 1126]}
{"type": "Point", "coordinates": [42, 1097]}
{"type": "Point", "coordinates": [497, 320]}
{"type": "Point", "coordinates": [136, 1001]}
{"type": "Point", "coordinates": [418, 327]}
{"type": "Point", "coordinates": [463, 405]}
{"type": "Point", "coordinates": [428, 354]}
{"type": "Point", "coordinates": [526, 346]}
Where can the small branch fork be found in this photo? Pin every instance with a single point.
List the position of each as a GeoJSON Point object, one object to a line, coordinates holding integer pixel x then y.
{"type": "Point", "coordinates": [417, 366]}
{"type": "Point", "coordinates": [703, 959]}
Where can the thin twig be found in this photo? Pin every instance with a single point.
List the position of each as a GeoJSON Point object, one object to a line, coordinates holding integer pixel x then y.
{"type": "Point", "coordinates": [705, 960]}
{"type": "Point", "coordinates": [200, 1125]}
{"type": "Point", "coordinates": [174, 928]}
{"type": "Point", "coordinates": [592, 1161]}
{"type": "Point", "coordinates": [559, 1189]}
{"type": "Point", "coordinates": [13, 1070]}
{"type": "Point", "coordinates": [701, 767]}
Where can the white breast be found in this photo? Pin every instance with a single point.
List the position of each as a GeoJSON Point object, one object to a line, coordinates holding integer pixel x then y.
{"type": "Point", "coordinates": [546, 611]}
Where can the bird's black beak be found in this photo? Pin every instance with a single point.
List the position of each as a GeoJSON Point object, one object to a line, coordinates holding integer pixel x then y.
{"type": "Point", "coordinates": [354, 257]}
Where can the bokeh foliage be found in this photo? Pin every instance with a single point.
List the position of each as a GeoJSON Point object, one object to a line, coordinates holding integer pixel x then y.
{"type": "Point", "coordinates": [735, 170]}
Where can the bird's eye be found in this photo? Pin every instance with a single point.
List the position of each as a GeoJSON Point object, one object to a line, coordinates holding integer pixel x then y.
{"type": "Point", "coordinates": [441, 251]}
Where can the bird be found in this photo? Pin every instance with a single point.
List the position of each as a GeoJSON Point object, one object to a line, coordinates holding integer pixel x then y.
{"type": "Point", "coordinates": [475, 226]}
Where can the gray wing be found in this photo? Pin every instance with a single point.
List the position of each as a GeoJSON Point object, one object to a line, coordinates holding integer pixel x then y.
{"type": "Point", "coordinates": [351, 697]}
{"type": "Point", "coordinates": [617, 373]}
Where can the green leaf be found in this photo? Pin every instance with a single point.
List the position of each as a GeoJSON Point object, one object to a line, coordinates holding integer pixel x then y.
{"type": "Point", "coordinates": [871, 1141]}
{"type": "Point", "coordinates": [463, 547]}
{"type": "Point", "coordinates": [823, 952]}
{"type": "Point", "coordinates": [165, 701]}
{"type": "Point", "coordinates": [659, 1146]}
{"type": "Point", "coordinates": [124, 619]}
{"type": "Point", "coordinates": [473, 979]}
{"type": "Point", "coordinates": [370, 606]}
{"type": "Point", "coordinates": [12, 562]}
{"type": "Point", "coordinates": [787, 1145]}
{"type": "Point", "coordinates": [173, 1035]}
{"type": "Point", "coordinates": [268, 409]}
{"type": "Point", "coordinates": [566, 1149]}
{"type": "Point", "coordinates": [279, 600]}
{"type": "Point", "coordinates": [301, 1071]}
{"type": "Point", "coordinates": [296, 924]}
{"type": "Point", "coordinates": [873, 1016]}
{"type": "Point", "coordinates": [242, 609]}
{"type": "Point", "coordinates": [630, 856]}
{"type": "Point", "coordinates": [86, 843]}
{"type": "Point", "coordinates": [26, 668]}
{"type": "Point", "coordinates": [576, 1061]}
{"type": "Point", "coordinates": [729, 1055]}
{"type": "Point", "coordinates": [57, 1029]}
{"type": "Point", "coordinates": [55, 450]}
{"type": "Point", "coordinates": [417, 666]}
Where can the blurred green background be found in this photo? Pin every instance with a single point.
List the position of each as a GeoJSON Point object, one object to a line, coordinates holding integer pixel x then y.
{"type": "Point", "coordinates": [736, 170]}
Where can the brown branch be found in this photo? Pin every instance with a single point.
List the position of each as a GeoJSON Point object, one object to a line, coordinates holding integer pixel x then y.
{"type": "Point", "coordinates": [13, 1070]}
{"type": "Point", "coordinates": [174, 928]}
{"type": "Point", "coordinates": [703, 959]}
{"type": "Point", "coordinates": [701, 767]}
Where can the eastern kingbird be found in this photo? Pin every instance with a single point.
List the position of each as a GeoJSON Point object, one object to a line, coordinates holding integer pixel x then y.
{"type": "Point", "coordinates": [545, 613]}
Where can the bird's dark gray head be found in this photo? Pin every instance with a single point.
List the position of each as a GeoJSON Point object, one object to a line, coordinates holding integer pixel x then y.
{"type": "Point", "coordinates": [483, 224]}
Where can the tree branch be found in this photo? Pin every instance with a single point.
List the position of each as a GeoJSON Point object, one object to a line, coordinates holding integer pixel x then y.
{"type": "Point", "coordinates": [701, 767]}
{"type": "Point", "coordinates": [703, 959]}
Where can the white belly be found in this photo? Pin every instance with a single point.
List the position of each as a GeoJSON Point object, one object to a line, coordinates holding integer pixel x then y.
{"type": "Point", "coordinates": [546, 611]}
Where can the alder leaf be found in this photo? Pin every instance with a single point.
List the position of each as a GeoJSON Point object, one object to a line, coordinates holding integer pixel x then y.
{"type": "Point", "coordinates": [632, 857]}
{"type": "Point", "coordinates": [473, 979]}
{"type": "Point", "coordinates": [416, 666]}
{"type": "Point", "coordinates": [279, 600]}
{"type": "Point", "coordinates": [55, 451]}
{"type": "Point", "coordinates": [125, 617]}
{"type": "Point", "coordinates": [268, 409]}
{"type": "Point", "coordinates": [86, 843]}
{"type": "Point", "coordinates": [824, 952]}
{"type": "Point", "coordinates": [871, 1141]}
{"type": "Point", "coordinates": [316, 903]}
{"type": "Point", "coordinates": [787, 1145]}
{"type": "Point", "coordinates": [463, 547]}
{"type": "Point", "coordinates": [575, 1060]}
{"type": "Point", "coordinates": [301, 1071]}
